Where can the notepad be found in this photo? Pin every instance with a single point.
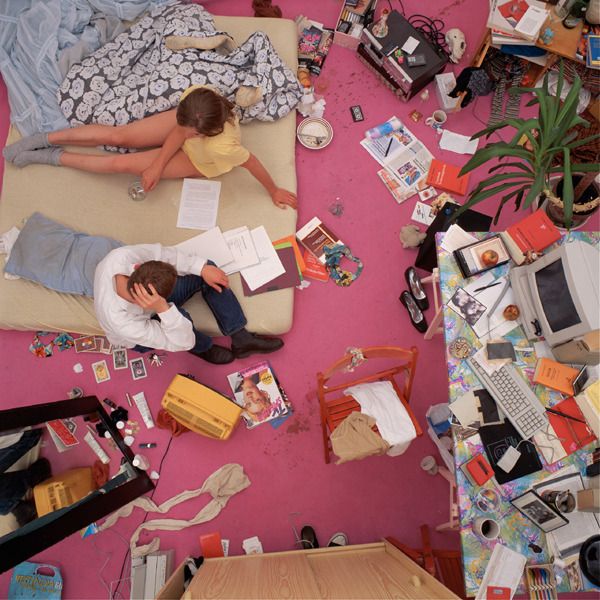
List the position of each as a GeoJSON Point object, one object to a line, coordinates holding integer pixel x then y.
{"type": "Point", "coordinates": [505, 569]}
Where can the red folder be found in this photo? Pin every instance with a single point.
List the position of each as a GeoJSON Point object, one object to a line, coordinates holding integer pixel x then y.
{"type": "Point", "coordinates": [573, 434]}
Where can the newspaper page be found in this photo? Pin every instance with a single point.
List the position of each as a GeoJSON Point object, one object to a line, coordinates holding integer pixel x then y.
{"type": "Point", "coordinates": [404, 157]}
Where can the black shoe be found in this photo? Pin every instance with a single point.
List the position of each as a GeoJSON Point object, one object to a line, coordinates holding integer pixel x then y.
{"type": "Point", "coordinates": [416, 316]}
{"type": "Point", "coordinates": [39, 471]}
{"type": "Point", "coordinates": [256, 344]}
{"type": "Point", "coordinates": [217, 355]}
{"type": "Point", "coordinates": [24, 512]}
{"type": "Point", "coordinates": [308, 538]}
{"type": "Point", "coordinates": [416, 288]}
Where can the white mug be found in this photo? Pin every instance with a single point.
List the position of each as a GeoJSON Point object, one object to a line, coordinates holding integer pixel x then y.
{"type": "Point", "coordinates": [486, 528]}
{"type": "Point", "coordinates": [436, 120]}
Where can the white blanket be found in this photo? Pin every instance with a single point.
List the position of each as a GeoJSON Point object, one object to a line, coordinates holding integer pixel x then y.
{"type": "Point", "coordinates": [380, 401]}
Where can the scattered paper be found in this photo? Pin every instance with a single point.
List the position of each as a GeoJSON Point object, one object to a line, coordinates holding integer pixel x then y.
{"type": "Point", "coordinates": [410, 45]}
{"type": "Point", "coordinates": [210, 245]}
{"type": "Point", "coordinates": [242, 249]}
{"type": "Point", "coordinates": [423, 213]}
{"type": "Point", "coordinates": [269, 267]}
{"type": "Point", "coordinates": [465, 409]}
{"type": "Point", "coordinates": [252, 545]}
{"type": "Point", "coordinates": [455, 142]}
{"type": "Point", "coordinates": [456, 238]}
{"type": "Point", "coordinates": [504, 569]}
{"type": "Point", "coordinates": [543, 350]}
{"type": "Point", "coordinates": [199, 204]}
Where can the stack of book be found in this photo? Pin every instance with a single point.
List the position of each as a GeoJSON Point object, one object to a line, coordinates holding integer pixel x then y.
{"type": "Point", "coordinates": [516, 22]}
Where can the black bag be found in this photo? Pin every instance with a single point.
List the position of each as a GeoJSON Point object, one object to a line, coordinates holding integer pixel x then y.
{"type": "Point", "coordinates": [470, 220]}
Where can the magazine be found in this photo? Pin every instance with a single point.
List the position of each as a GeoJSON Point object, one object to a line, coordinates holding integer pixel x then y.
{"type": "Point", "coordinates": [308, 44]}
{"type": "Point", "coordinates": [505, 15]}
{"type": "Point", "coordinates": [404, 157]}
{"type": "Point", "coordinates": [255, 389]}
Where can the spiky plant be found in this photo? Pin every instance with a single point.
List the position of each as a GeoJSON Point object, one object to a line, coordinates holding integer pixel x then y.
{"type": "Point", "coordinates": [529, 168]}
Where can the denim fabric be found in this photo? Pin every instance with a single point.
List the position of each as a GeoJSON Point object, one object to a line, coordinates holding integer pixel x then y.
{"type": "Point", "coordinates": [10, 455]}
{"type": "Point", "coordinates": [223, 305]}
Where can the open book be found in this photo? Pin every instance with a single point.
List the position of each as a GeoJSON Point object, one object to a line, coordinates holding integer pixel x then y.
{"type": "Point", "coordinates": [404, 157]}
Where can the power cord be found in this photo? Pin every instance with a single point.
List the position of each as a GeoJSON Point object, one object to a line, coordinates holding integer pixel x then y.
{"type": "Point", "coordinates": [120, 579]}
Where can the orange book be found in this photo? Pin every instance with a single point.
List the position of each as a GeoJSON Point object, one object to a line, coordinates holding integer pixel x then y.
{"type": "Point", "coordinates": [291, 239]}
{"type": "Point", "coordinates": [443, 176]}
{"type": "Point", "coordinates": [533, 233]}
{"type": "Point", "coordinates": [555, 375]}
{"type": "Point", "coordinates": [313, 267]}
{"type": "Point", "coordinates": [210, 545]}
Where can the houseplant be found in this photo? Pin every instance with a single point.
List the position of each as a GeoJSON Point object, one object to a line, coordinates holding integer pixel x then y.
{"type": "Point", "coordinates": [530, 168]}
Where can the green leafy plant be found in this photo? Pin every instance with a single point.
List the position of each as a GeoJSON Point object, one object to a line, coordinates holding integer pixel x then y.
{"type": "Point", "coordinates": [527, 169]}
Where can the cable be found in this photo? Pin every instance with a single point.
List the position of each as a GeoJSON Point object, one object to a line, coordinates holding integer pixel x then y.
{"type": "Point", "coordinates": [431, 29]}
{"type": "Point", "coordinates": [120, 578]}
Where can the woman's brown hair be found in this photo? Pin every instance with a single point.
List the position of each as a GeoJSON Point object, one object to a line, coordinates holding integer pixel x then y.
{"type": "Point", "coordinates": [205, 111]}
{"type": "Point", "coordinates": [160, 274]}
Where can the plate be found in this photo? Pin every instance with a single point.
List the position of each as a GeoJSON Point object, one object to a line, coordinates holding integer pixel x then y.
{"type": "Point", "coordinates": [314, 133]}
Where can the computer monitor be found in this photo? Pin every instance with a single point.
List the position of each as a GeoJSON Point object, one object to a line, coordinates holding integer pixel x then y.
{"type": "Point", "coordinates": [559, 294]}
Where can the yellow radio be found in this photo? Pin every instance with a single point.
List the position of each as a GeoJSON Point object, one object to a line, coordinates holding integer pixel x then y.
{"type": "Point", "coordinates": [200, 408]}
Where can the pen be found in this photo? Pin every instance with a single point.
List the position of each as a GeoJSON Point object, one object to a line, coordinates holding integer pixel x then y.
{"type": "Point", "coordinates": [485, 287]}
{"type": "Point", "coordinates": [561, 414]}
{"type": "Point", "coordinates": [389, 146]}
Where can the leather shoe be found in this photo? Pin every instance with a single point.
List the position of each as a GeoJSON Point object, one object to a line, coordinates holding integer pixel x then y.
{"type": "Point", "coordinates": [416, 288]}
{"type": "Point", "coordinates": [416, 315]}
{"type": "Point", "coordinates": [257, 344]}
{"type": "Point", "coordinates": [308, 538]}
{"type": "Point", "coordinates": [217, 355]}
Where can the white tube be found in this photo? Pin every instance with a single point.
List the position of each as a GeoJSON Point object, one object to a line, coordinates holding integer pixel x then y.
{"type": "Point", "coordinates": [96, 447]}
{"type": "Point", "coordinates": [142, 404]}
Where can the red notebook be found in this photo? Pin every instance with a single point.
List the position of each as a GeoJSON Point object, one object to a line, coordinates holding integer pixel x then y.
{"type": "Point", "coordinates": [533, 233]}
{"type": "Point", "coordinates": [445, 177]}
{"type": "Point", "coordinates": [573, 435]}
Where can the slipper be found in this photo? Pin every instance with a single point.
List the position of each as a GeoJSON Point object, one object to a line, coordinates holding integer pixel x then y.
{"type": "Point", "coordinates": [416, 288]}
{"type": "Point", "coordinates": [308, 538]}
{"type": "Point", "coordinates": [338, 539]}
{"type": "Point", "coordinates": [417, 318]}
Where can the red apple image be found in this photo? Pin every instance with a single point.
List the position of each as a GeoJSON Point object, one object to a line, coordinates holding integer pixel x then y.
{"type": "Point", "coordinates": [489, 258]}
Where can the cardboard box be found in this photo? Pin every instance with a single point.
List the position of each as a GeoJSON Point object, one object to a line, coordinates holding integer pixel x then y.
{"type": "Point", "coordinates": [351, 39]}
{"type": "Point", "coordinates": [588, 500]}
{"type": "Point", "coordinates": [444, 84]}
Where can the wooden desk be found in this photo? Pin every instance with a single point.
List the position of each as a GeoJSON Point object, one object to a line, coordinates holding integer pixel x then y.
{"type": "Point", "coordinates": [565, 41]}
{"type": "Point", "coordinates": [516, 531]}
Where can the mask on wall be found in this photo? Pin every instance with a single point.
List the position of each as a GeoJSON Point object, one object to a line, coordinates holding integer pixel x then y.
{"type": "Point", "coordinates": [455, 39]}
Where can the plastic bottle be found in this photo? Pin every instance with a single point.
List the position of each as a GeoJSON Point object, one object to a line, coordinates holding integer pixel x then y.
{"type": "Point", "coordinates": [141, 462]}
{"type": "Point", "coordinates": [392, 125]}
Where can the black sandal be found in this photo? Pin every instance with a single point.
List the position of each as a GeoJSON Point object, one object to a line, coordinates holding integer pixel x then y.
{"type": "Point", "coordinates": [417, 317]}
{"type": "Point", "coordinates": [416, 288]}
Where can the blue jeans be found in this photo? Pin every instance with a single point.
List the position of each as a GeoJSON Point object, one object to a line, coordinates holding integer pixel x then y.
{"type": "Point", "coordinates": [223, 305]}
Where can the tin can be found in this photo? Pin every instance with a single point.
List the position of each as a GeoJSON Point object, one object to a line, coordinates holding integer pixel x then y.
{"type": "Point", "coordinates": [136, 191]}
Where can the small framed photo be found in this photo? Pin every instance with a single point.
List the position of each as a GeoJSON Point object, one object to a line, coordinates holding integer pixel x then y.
{"type": "Point", "coordinates": [120, 360]}
{"type": "Point", "coordinates": [101, 372]}
{"type": "Point", "coordinates": [466, 306]}
{"type": "Point", "coordinates": [138, 368]}
{"type": "Point", "coordinates": [85, 344]}
{"type": "Point", "coordinates": [536, 510]}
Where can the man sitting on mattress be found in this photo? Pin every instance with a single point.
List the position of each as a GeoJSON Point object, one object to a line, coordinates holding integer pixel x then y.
{"type": "Point", "coordinates": [138, 290]}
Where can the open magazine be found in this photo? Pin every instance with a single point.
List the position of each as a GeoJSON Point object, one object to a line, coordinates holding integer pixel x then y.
{"type": "Point", "coordinates": [255, 389]}
{"type": "Point", "coordinates": [404, 157]}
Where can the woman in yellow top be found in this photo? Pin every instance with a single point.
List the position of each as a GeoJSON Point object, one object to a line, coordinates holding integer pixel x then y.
{"type": "Point", "coordinates": [200, 138]}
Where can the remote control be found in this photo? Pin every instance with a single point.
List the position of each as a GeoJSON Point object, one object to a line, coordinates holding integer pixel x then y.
{"type": "Point", "coordinates": [415, 60]}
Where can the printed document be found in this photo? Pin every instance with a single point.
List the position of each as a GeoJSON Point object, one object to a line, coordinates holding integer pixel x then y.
{"type": "Point", "coordinates": [269, 267]}
{"type": "Point", "coordinates": [505, 569]}
{"type": "Point", "coordinates": [199, 204]}
{"type": "Point", "coordinates": [242, 248]}
{"type": "Point", "coordinates": [210, 245]}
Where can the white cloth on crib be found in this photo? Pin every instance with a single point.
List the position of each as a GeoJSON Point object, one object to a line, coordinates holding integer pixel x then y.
{"type": "Point", "coordinates": [380, 401]}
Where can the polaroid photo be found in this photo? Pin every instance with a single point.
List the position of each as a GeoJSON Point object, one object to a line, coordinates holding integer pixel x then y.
{"type": "Point", "coordinates": [536, 510]}
{"type": "Point", "coordinates": [466, 306]}
{"type": "Point", "coordinates": [423, 213]}
{"type": "Point", "coordinates": [85, 344]}
{"type": "Point", "coordinates": [101, 372]}
{"type": "Point", "coordinates": [138, 368]}
{"type": "Point", "coordinates": [427, 194]}
{"type": "Point", "coordinates": [120, 360]}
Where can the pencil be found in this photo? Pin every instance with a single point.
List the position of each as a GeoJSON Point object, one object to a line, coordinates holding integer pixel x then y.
{"type": "Point", "coordinates": [565, 416]}
{"type": "Point", "coordinates": [389, 146]}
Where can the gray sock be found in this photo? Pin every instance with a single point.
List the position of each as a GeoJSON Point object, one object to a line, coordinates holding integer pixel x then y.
{"type": "Point", "coordinates": [44, 156]}
{"type": "Point", "coordinates": [31, 142]}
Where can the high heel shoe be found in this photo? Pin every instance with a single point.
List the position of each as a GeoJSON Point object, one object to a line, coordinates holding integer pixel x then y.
{"type": "Point", "coordinates": [415, 287]}
{"type": "Point", "coordinates": [417, 317]}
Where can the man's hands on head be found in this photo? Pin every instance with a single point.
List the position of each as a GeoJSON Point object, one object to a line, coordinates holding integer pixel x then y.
{"type": "Point", "coordinates": [214, 277]}
{"type": "Point", "coordinates": [282, 198]}
{"type": "Point", "coordinates": [148, 300]}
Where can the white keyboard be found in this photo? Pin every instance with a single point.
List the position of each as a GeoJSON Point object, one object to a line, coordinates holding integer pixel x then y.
{"type": "Point", "coordinates": [514, 397]}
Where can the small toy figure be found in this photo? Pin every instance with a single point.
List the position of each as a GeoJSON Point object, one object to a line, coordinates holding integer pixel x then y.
{"type": "Point", "coordinates": [380, 29]}
{"type": "Point", "coordinates": [411, 236]}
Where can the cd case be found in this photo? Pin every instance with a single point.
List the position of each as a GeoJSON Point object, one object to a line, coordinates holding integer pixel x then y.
{"type": "Point", "coordinates": [481, 256]}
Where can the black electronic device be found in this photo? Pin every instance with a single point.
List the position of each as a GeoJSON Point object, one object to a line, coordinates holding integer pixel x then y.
{"type": "Point", "coordinates": [357, 113]}
{"type": "Point", "coordinates": [416, 60]}
{"type": "Point", "coordinates": [395, 70]}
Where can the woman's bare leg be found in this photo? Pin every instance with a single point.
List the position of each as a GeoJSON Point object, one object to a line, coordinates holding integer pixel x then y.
{"type": "Point", "coordinates": [148, 132]}
{"type": "Point", "coordinates": [136, 163]}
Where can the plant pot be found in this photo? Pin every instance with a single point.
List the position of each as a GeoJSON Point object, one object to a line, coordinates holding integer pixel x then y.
{"type": "Point", "coordinates": [583, 208]}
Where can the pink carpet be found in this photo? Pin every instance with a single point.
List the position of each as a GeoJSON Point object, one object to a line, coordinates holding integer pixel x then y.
{"type": "Point", "coordinates": [290, 482]}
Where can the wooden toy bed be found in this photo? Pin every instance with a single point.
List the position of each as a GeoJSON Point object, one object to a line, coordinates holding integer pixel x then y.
{"type": "Point", "coordinates": [100, 205]}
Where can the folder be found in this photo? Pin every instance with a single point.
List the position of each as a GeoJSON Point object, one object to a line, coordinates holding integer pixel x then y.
{"type": "Point", "coordinates": [290, 278]}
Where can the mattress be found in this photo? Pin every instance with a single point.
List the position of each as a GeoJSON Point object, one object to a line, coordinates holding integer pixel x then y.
{"type": "Point", "coordinates": [99, 205]}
